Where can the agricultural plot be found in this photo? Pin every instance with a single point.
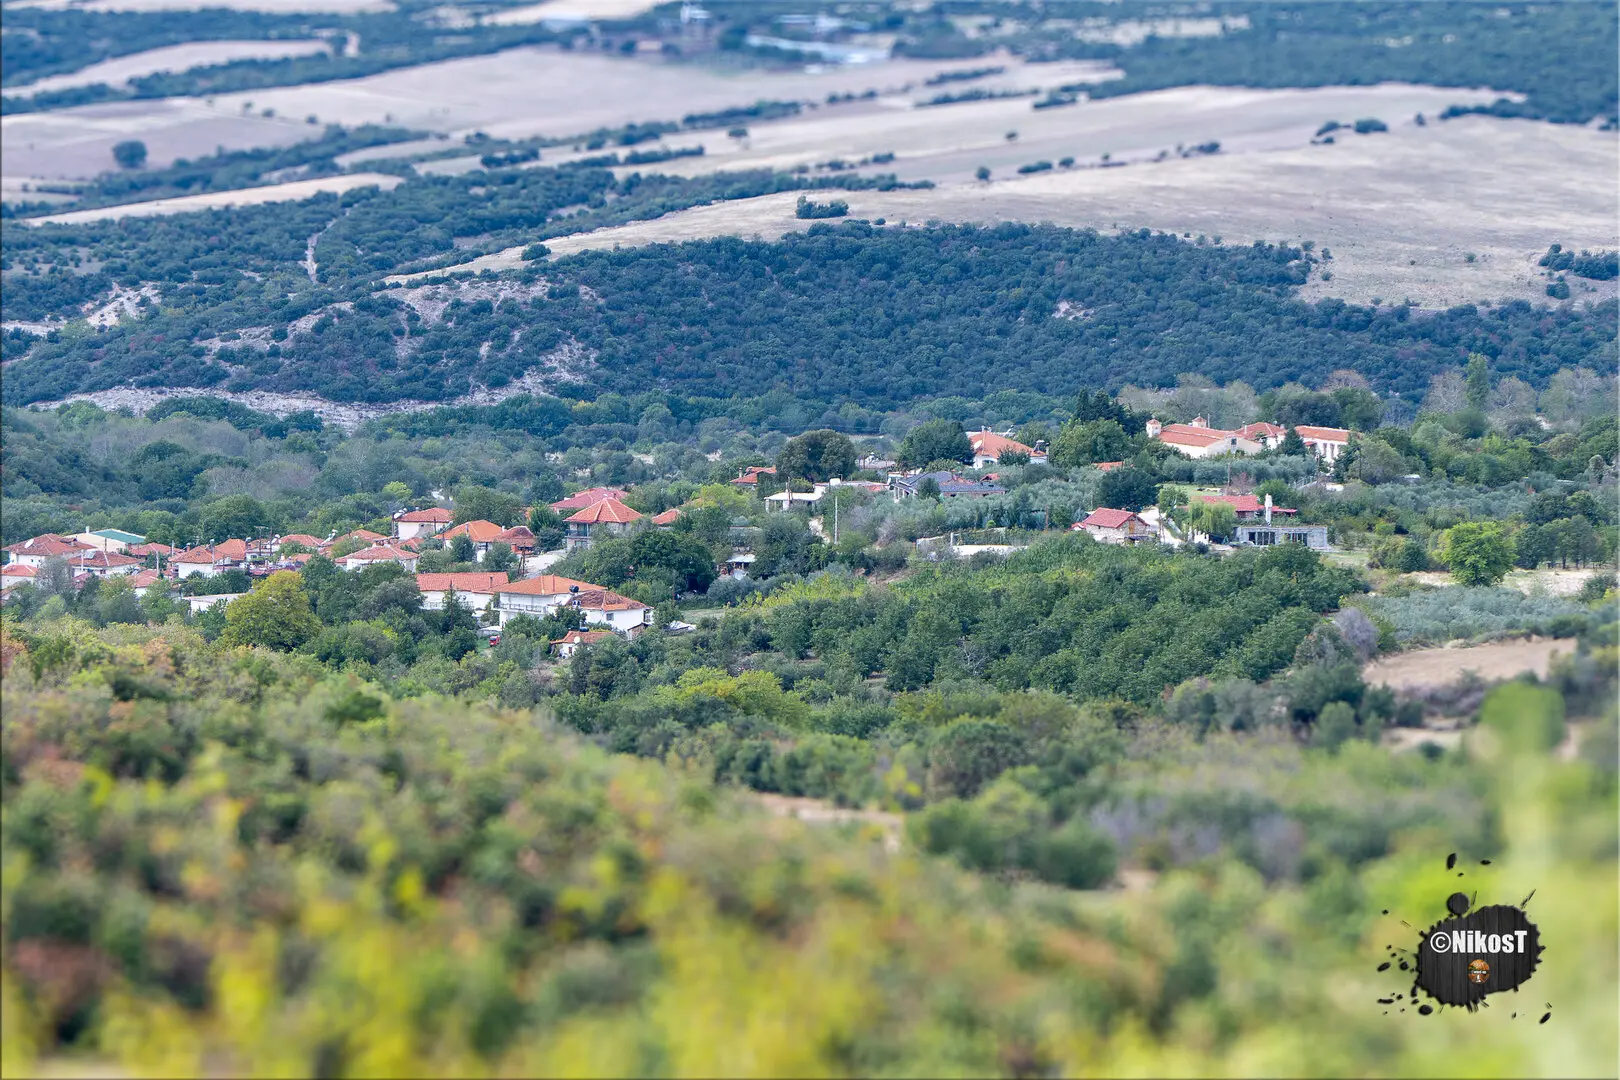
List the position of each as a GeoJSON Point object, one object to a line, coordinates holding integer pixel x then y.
{"type": "Point", "coordinates": [76, 144]}
{"type": "Point", "coordinates": [117, 71]}
{"type": "Point", "coordinates": [294, 191]}
{"type": "Point", "coordinates": [1409, 214]}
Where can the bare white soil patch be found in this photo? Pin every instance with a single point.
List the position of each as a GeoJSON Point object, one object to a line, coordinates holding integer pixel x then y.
{"type": "Point", "coordinates": [119, 70]}
{"type": "Point", "coordinates": [294, 191]}
{"type": "Point", "coordinates": [76, 144]}
{"type": "Point", "coordinates": [1495, 662]}
{"type": "Point", "coordinates": [571, 11]}
{"type": "Point", "coordinates": [1549, 581]}
{"type": "Point", "coordinates": [124, 304]}
{"type": "Point", "coordinates": [566, 363]}
{"type": "Point", "coordinates": [1400, 212]}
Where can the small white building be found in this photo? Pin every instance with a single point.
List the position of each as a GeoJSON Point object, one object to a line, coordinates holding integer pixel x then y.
{"type": "Point", "coordinates": [538, 596]}
{"type": "Point", "coordinates": [475, 589]}
{"type": "Point", "coordinates": [110, 540]}
{"type": "Point", "coordinates": [200, 604]}
{"type": "Point", "coordinates": [1199, 440]}
{"type": "Point", "coordinates": [1327, 443]}
{"type": "Point", "coordinates": [413, 523]}
{"type": "Point", "coordinates": [380, 553]}
{"type": "Point", "coordinates": [210, 559]}
{"type": "Point", "coordinates": [605, 607]}
{"type": "Point", "coordinates": [570, 643]}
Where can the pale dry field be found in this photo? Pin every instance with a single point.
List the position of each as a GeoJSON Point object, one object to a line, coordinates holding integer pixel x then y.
{"type": "Point", "coordinates": [293, 191]}
{"type": "Point", "coordinates": [1399, 211]}
{"type": "Point", "coordinates": [950, 142]}
{"type": "Point", "coordinates": [541, 91]}
{"type": "Point", "coordinates": [1494, 662]}
{"type": "Point", "coordinates": [571, 10]}
{"type": "Point", "coordinates": [119, 70]}
{"type": "Point", "coordinates": [76, 144]}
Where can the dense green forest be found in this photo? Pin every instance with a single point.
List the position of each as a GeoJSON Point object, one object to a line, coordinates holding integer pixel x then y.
{"type": "Point", "coordinates": [874, 315]}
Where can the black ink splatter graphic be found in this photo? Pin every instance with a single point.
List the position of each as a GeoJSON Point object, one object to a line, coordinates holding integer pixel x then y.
{"type": "Point", "coordinates": [1470, 954]}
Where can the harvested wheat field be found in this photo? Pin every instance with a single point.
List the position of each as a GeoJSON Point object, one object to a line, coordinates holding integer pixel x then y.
{"type": "Point", "coordinates": [1400, 212]}
{"type": "Point", "coordinates": [1494, 662]}
{"type": "Point", "coordinates": [546, 91]}
{"type": "Point", "coordinates": [293, 191]}
{"type": "Point", "coordinates": [76, 144]}
{"type": "Point", "coordinates": [121, 69]}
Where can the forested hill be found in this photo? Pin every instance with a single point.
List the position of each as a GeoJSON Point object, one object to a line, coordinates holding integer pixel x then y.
{"type": "Point", "coordinates": [876, 315]}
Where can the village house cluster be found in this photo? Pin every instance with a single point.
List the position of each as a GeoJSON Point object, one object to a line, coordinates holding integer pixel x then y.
{"type": "Point", "coordinates": [497, 596]}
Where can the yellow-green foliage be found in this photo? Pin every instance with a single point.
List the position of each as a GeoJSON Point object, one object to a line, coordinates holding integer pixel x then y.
{"type": "Point", "coordinates": [231, 862]}
{"type": "Point", "coordinates": [752, 693]}
{"type": "Point", "coordinates": [816, 587]}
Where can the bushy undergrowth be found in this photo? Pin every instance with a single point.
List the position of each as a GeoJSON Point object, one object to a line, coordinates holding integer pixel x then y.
{"type": "Point", "coordinates": [234, 861]}
{"type": "Point", "coordinates": [1435, 616]}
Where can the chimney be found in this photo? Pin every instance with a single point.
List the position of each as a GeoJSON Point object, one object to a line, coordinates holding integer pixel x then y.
{"type": "Point", "coordinates": [1268, 509]}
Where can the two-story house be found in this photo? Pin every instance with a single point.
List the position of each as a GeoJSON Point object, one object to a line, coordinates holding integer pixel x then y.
{"type": "Point", "coordinates": [414, 523]}
{"type": "Point", "coordinates": [610, 517]}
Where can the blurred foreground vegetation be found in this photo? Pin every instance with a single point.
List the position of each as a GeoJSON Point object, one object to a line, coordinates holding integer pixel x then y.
{"type": "Point", "coordinates": [226, 861]}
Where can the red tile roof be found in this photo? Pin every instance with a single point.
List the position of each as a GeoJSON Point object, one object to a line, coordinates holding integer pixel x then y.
{"type": "Point", "coordinates": [431, 514]}
{"type": "Point", "coordinates": [145, 579]}
{"type": "Point", "coordinates": [1246, 504]}
{"type": "Point", "coordinates": [668, 517]}
{"type": "Point", "coordinates": [480, 531]}
{"type": "Point", "coordinates": [18, 570]}
{"type": "Point", "coordinates": [581, 499]}
{"type": "Point", "coordinates": [988, 442]}
{"type": "Point", "coordinates": [151, 549]}
{"type": "Point", "coordinates": [608, 600]}
{"type": "Point", "coordinates": [359, 534]}
{"type": "Point", "coordinates": [1109, 466]}
{"type": "Point", "coordinates": [380, 553]}
{"type": "Point", "coordinates": [209, 554]}
{"type": "Point", "coordinates": [518, 536]}
{"type": "Point", "coordinates": [608, 511]}
{"type": "Point", "coordinates": [752, 474]}
{"type": "Point", "coordinates": [48, 545]}
{"type": "Point", "coordinates": [546, 585]}
{"type": "Point", "coordinates": [484, 581]}
{"type": "Point", "coordinates": [1104, 518]}
{"type": "Point", "coordinates": [1189, 435]}
{"type": "Point", "coordinates": [1262, 430]}
{"type": "Point", "coordinates": [1323, 434]}
{"type": "Point", "coordinates": [583, 637]}
{"type": "Point", "coordinates": [101, 560]}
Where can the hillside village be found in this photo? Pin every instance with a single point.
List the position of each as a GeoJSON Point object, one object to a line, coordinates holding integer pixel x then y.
{"type": "Point", "coordinates": [499, 573]}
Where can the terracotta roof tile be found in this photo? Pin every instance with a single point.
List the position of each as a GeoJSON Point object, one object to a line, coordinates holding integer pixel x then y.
{"type": "Point", "coordinates": [545, 585]}
{"type": "Point", "coordinates": [581, 499]}
{"type": "Point", "coordinates": [608, 511]}
{"type": "Point", "coordinates": [485, 581]}
{"type": "Point", "coordinates": [1105, 518]}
